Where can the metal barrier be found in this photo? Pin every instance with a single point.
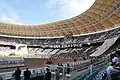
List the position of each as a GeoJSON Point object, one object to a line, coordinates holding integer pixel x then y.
{"type": "Point", "coordinates": [36, 72]}
{"type": "Point", "coordinates": [92, 73]}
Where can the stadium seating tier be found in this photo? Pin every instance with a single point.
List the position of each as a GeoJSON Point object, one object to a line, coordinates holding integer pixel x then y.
{"type": "Point", "coordinates": [102, 15]}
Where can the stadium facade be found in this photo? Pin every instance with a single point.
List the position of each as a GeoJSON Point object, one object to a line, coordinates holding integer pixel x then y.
{"type": "Point", "coordinates": [99, 23]}
{"type": "Point", "coordinates": [102, 15]}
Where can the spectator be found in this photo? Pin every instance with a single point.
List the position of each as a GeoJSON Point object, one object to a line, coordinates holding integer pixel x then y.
{"type": "Point", "coordinates": [113, 68]}
{"type": "Point", "coordinates": [115, 59]}
{"type": "Point", "coordinates": [118, 55]}
{"type": "Point", "coordinates": [61, 68]}
{"type": "Point", "coordinates": [49, 62]}
{"type": "Point", "coordinates": [112, 57]}
{"type": "Point", "coordinates": [27, 74]}
{"type": "Point", "coordinates": [68, 69]}
{"type": "Point", "coordinates": [48, 74]}
{"type": "Point", "coordinates": [75, 60]}
{"type": "Point", "coordinates": [1, 78]}
{"type": "Point", "coordinates": [61, 65]}
{"type": "Point", "coordinates": [57, 74]}
{"type": "Point", "coordinates": [58, 64]}
{"type": "Point", "coordinates": [17, 74]}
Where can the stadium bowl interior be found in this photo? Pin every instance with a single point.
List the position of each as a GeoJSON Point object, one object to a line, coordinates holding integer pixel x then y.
{"type": "Point", "coordinates": [86, 39]}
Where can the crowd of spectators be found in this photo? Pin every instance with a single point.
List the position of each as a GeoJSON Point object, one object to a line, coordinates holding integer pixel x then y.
{"type": "Point", "coordinates": [54, 41]}
{"type": "Point", "coordinates": [48, 42]}
{"type": "Point", "coordinates": [96, 37]}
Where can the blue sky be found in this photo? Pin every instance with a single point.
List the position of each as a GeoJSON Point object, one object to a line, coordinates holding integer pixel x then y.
{"type": "Point", "coordinates": [41, 11]}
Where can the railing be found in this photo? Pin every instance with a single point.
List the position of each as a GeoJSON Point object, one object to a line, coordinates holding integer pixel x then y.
{"type": "Point", "coordinates": [36, 72]}
{"type": "Point", "coordinates": [94, 73]}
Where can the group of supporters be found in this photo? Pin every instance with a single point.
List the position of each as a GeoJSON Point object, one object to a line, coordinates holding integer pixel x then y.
{"type": "Point", "coordinates": [76, 39]}
{"type": "Point", "coordinates": [49, 62]}
{"type": "Point", "coordinates": [17, 74]}
{"type": "Point", "coordinates": [113, 70]}
{"type": "Point", "coordinates": [27, 74]}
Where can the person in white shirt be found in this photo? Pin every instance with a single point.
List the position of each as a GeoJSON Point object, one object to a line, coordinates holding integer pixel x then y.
{"type": "Point", "coordinates": [118, 55]}
{"type": "Point", "coordinates": [115, 59]}
{"type": "Point", "coordinates": [113, 68]}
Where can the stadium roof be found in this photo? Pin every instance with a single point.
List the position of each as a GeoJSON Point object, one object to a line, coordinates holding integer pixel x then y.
{"type": "Point", "coordinates": [102, 15]}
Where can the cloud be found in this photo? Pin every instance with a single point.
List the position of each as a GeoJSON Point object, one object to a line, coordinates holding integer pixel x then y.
{"type": "Point", "coordinates": [68, 8]}
{"type": "Point", "coordinates": [4, 18]}
{"type": "Point", "coordinates": [7, 13]}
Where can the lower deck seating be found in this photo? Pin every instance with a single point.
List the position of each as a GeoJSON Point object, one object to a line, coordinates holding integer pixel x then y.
{"type": "Point", "coordinates": [96, 73]}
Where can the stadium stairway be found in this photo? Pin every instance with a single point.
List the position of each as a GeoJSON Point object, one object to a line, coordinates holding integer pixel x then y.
{"type": "Point", "coordinates": [104, 47]}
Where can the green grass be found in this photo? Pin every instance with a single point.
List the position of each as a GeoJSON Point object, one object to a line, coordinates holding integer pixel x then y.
{"type": "Point", "coordinates": [34, 59]}
{"type": "Point", "coordinates": [27, 59]}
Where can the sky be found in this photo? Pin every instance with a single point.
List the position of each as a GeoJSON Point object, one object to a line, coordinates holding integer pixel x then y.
{"type": "Point", "coordinates": [41, 11]}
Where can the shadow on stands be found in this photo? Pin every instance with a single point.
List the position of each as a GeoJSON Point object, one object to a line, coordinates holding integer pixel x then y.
{"type": "Point", "coordinates": [38, 78]}
{"type": "Point", "coordinates": [115, 76]}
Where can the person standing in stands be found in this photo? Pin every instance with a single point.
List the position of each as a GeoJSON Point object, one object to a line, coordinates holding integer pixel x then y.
{"type": "Point", "coordinates": [58, 64]}
{"type": "Point", "coordinates": [27, 74]}
{"type": "Point", "coordinates": [118, 56]}
{"type": "Point", "coordinates": [113, 57]}
{"type": "Point", "coordinates": [112, 69]}
{"type": "Point", "coordinates": [17, 74]}
{"type": "Point", "coordinates": [61, 68]}
{"type": "Point", "coordinates": [61, 65]}
{"type": "Point", "coordinates": [75, 60]}
{"type": "Point", "coordinates": [57, 74]}
{"type": "Point", "coordinates": [68, 69]}
{"type": "Point", "coordinates": [48, 74]}
{"type": "Point", "coordinates": [1, 78]}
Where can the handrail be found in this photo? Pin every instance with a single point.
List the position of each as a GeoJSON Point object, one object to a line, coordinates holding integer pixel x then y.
{"type": "Point", "coordinates": [36, 72]}
{"type": "Point", "coordinates": [95, 71]}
